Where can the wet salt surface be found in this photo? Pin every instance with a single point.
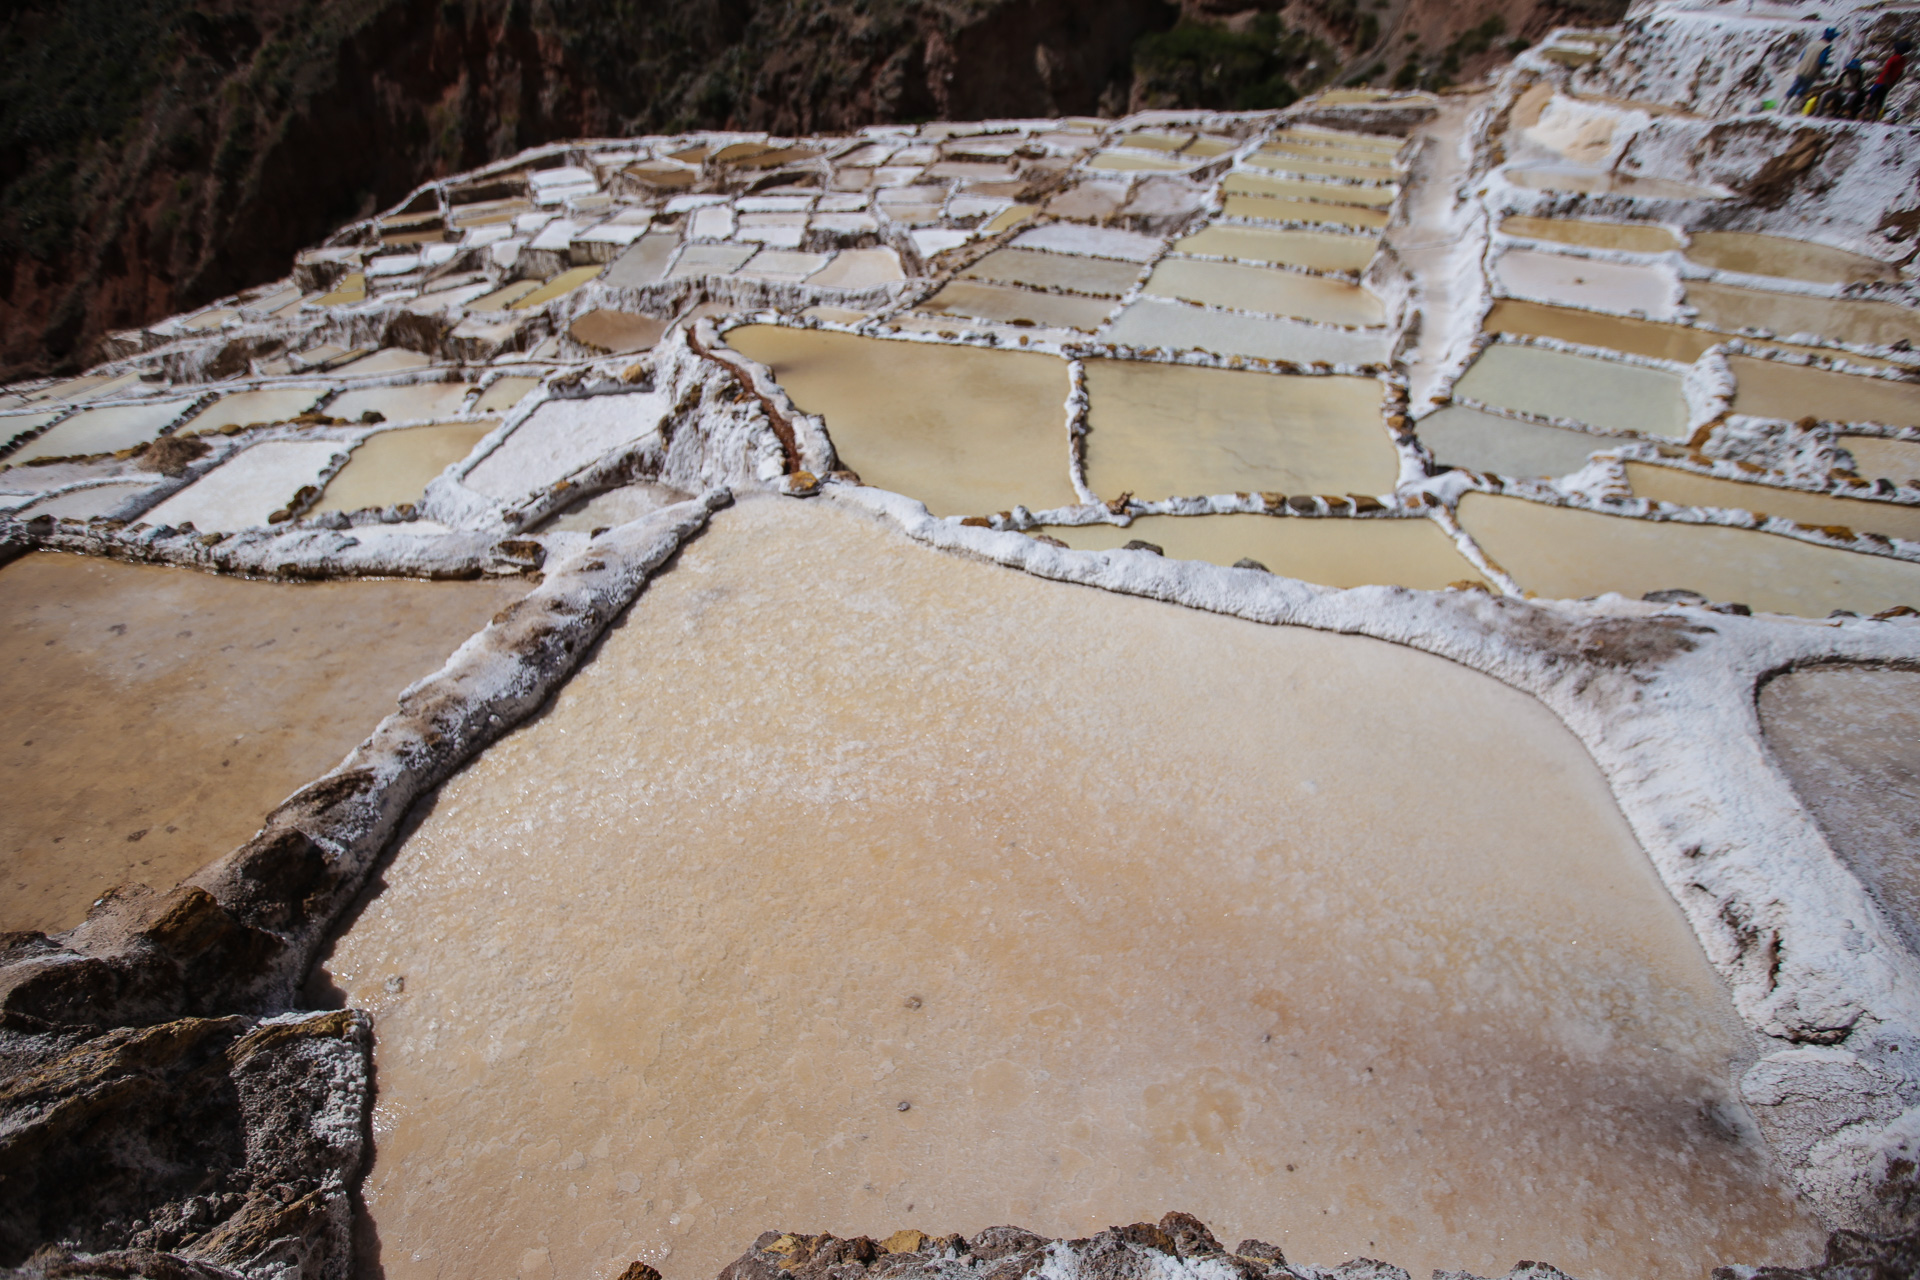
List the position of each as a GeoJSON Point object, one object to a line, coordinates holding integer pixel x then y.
{"type": "Point", "coordinates": [1463, 437]}
{"type": "Point", "coordinates": [1174, 326]}
{"type": "Point", "coordinates": [1791, 259]}
{"type": "Point", "coordinates": [1867, 324]}
{"type": "Point", "coordinates": [83, 504]}
{"type": "Point", "coordinates": [1558, 384]}
{"type": "Point", "coordinates": [1874, 458]}
{"type": "Point", "coordinates": [1669, 484]}
{"type": "Point", "coordinates": [966, 431]}
{"type": "Point", "coordinates": [1320, 250]}
{"type": "Point", "coordinates": [394, 466]}
{"type": "Point", "coordinates": [156, 715]}
{"type": "Point", "coordinates": [244, 408]}
{"type": "Point", "coordinates": [1557, 551]}
{"type": "Point", "coordinates": [1265, 289]}
{"type": "Point", "coordinates": [1634, 238]}
{"type": "Point", "coordinates": [1130, 918]}
{"type": "Point", "coordinates": [103, 430]}
{"type": "Point", "coordinates": [1580, 282]}
{"type": "Point", "coordinates": [1849, 738]}
{"type": "Point", "coordinates": [1166, 431]}
{"type": "Point", "coordinates": [1014, 305]}
{"type": "Point", "coordinates": [614, 506]}
{"type": "Point", "coordinates": [248, 488]}
{"type": "Point", "coordinates": [1776, 389]}
{"type": "Point", "coordinates": [560, 437]}
{"type": "Point", "coordinates": [1331, 552]}
{"type": "Point", "coordinates": [1078, 272]}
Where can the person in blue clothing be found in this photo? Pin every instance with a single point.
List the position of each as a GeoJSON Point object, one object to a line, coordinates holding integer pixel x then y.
{"type": "Point", "coordinates": [1843, 99]}
{"type": "Point", "coordinates": [1807, 72]}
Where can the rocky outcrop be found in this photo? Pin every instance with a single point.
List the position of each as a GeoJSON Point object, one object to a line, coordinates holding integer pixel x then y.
{"type": "Point", "coordinates": [1180, 1247]}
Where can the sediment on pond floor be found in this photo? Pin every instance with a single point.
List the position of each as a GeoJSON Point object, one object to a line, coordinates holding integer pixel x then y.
{"type": "Point", "coordinates": [1365, 989]}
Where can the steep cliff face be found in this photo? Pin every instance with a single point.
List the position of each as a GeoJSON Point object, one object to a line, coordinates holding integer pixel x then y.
{"type": "Point", "coordinates": [155, 154]}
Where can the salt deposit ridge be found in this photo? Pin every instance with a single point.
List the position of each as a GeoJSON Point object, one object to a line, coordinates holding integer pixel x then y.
{"type": "Point", "coordinates": [1429, 581]}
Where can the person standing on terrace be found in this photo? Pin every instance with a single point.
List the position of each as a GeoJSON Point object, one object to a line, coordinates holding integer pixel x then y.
{"type": "Point", "coordinates": [1807, 72]}
{"type": "Point", "coordinates": [1890, 72]}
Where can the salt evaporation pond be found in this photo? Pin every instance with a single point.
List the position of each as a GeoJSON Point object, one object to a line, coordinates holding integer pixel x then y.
{"type": "Point", "coordinates": [1317, 250]}
{"type": "Point", "coordinates": [1630, 237]}
{"type": "Point", "coordinates": [1777, 389]}
{"type": "Point", "coordinates": [156, 715]}
{"type": "Point", "coordinates": [1876, 458]}
{"type": "Point", "coordinates": [1863, 323]}
{"type": "Point", "coordinates": [1333, 552]}
{"type": "Point", "coordinates": [104, 430]}
{"type": "Point", "coordinates": [1480, 441]}
{"type": "Point", "coordinates": [1169, 431]}
{"type": "Point", "coordinates": [1581, 282]}
{"type": "Point", "coordinates": [1669, 484]}
{"type": "Point", "coordinates": [1442, 1012]}
{"type": "Point", "coordinates": [966, 431]}
{"type": "Point", "coordinates": [1102, 276]}
{"type": "Point", "coordinates": [1558, 384]}
{"type": "Point", "coordinates": [1559, 551]}
{"type": "Point", "coordinates": [1849, 738]}
{"type": "Point", "coordinates": [394, 466]}
{"type": "Point", "coordinates": [1764, 255]}
{"type": "Point", "coordinates": [984, 301]}
{"type": "Point", "coordinates": [1265, 289]}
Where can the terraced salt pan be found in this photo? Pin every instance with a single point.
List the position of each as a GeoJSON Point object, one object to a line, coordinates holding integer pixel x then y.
{"type": "Point", "coordinates": [1173, 326]}
{"type": "Point", "coordinates": [155, 715]}
{"type": "Point", "coordinates": [1078, 272]}
{"type": "Point", "coordinates": [860, 269]}
{"type": "Point", "coordinates": [616, 332]}
{"type": "Point", "coordinates": [1765, 255]}
{"type": "Point", "coordinates": [104, 430]}
{"type": "Point", "coordinates": [1127, 162]}
{"type": "Point", "coordinates": [614, 507]}
{"type": "Point", "coordinates": [1319, 250]}
{"type": "Point", "coordinates": [1594, 182]}
{"type": "Point", "coordinates": [711, 260]}
{"type": "Point", "coordinates": [1558, 551]}
{"type": "Point", "coordinates": [1668, 484]}
{"type": "Point", "coordinates": [394, 466]}
{"type": "Point", "coordinates": [1332, 168]}
{"type": "Point", "coordinates": [244, 408]}
{"type": "Point", "coordinates": [1249, 288]}
{"type": "Point", "coordinates": [1582, 282]}
{"type": "Point", "coordinates": [1616, 333]}
{"type": "Point", "coordinates": [1866, 324]}
{"type": "Point", "coordinates": [503, 394]}
{"type": "Point", "coordinates": [250, 486]}
{"type": "Point", "coordinates": [1776, 389]}
{"type": "Point", "coordinates": [1332, 552]}
{"type": "Point", "coordinates": [15, 425]}
{"type": "Point", "coordinates": [1849, 738]}
{"type": "Point", "coordinates": [1167, 431]}
{"type": "Point", "coordinates": [1141, 917]}
{"type": "Point", "coordinates": [391, 360]}
{"type": "Point", "coordinates": [84, 504]}
{"type": "Point", "coordinates": [644, 263]}
{"type": "Point", "coordinates": [1009, 304]}
{"type": "Point", "coordinates": [1874, 458]}
{"type": "Point", "coordinates": [1301, 189]}
{"type": "Point", "coordinates": [966, 431]}
{"type": "Point", "coordinates": [558, 287]}
{"type": "Point", "coordinates": [1557, 384]}
{"type": "Point", "coordinates": [1463, 437]}
{"type": "Point", "coordinates": [1264, 209]}
{"type": "Point", "coordinates": [560, 437]}
{"type": "Point", "coordinates": [1631, 237]}
{"type": "Point", "coordinates": [1099, 242]}
{"type": "Point", "coordinates": [420, 402]}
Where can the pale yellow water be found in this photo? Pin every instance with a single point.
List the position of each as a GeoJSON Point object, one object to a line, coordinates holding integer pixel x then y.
{"type": "Point", "coordinates": [1558, 384]}
{"type": "Point", "coordinates": [966, 431]}
{"type": "Point", "coordinates": [1320, 250]}
{"type": "Point", "coordinates": [1331, 168]}
{"type": "Point", "coordinates": [1009, 303]}
{"type": "Point", "coordinates": [1332, 552]}
{"type": "Point", "coordinates": [1632, 237]}
{"type": "Point", "coordinates": [1074, 271]}
{"type": "Point", "coordinates": [1301, 189]}
{"type": "Point", "coordinates": [1164, 431]}
{"type": "Point", "coordinates": [504, 394]}
{"type": "Point", "coordinates": [1303, 211]}
{"type": "Point", "coordinates": [1867, 324]}
{"type": "Point", "coordinates": [1326, 940]}
{"type": "Point", "coordinates": [394, 466]}
{"type": "Point", "coordinates": [401, 404]}
{"type": "Point", "coordinates": [155, 716]}
{"type": "Point", "coordinates": [1582, 282]}
{"type": "Point", "coordinates": [1121, 162]}
{"type": "Point", "coordinates": [1778, 256]}
{"type": "Point", "coordinates": [1250, 288]}
{"type": "Point", "coordinates": [561, 285]}
{"type": "Point", "coordinates": [243, 408]}
{"type": "Point", "coordinates": [1557, 551]}
{"type": "Point", "coordinates": [1775, 389]}
{"type": "Point", "coordinates": [1875, 458]}
{"type": "Point", "coordinates": [104, 430]}
{"type": "Point", "coordinates": [1665, 484]}
{"type": "Point", "coordinates": [1617, 333]}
